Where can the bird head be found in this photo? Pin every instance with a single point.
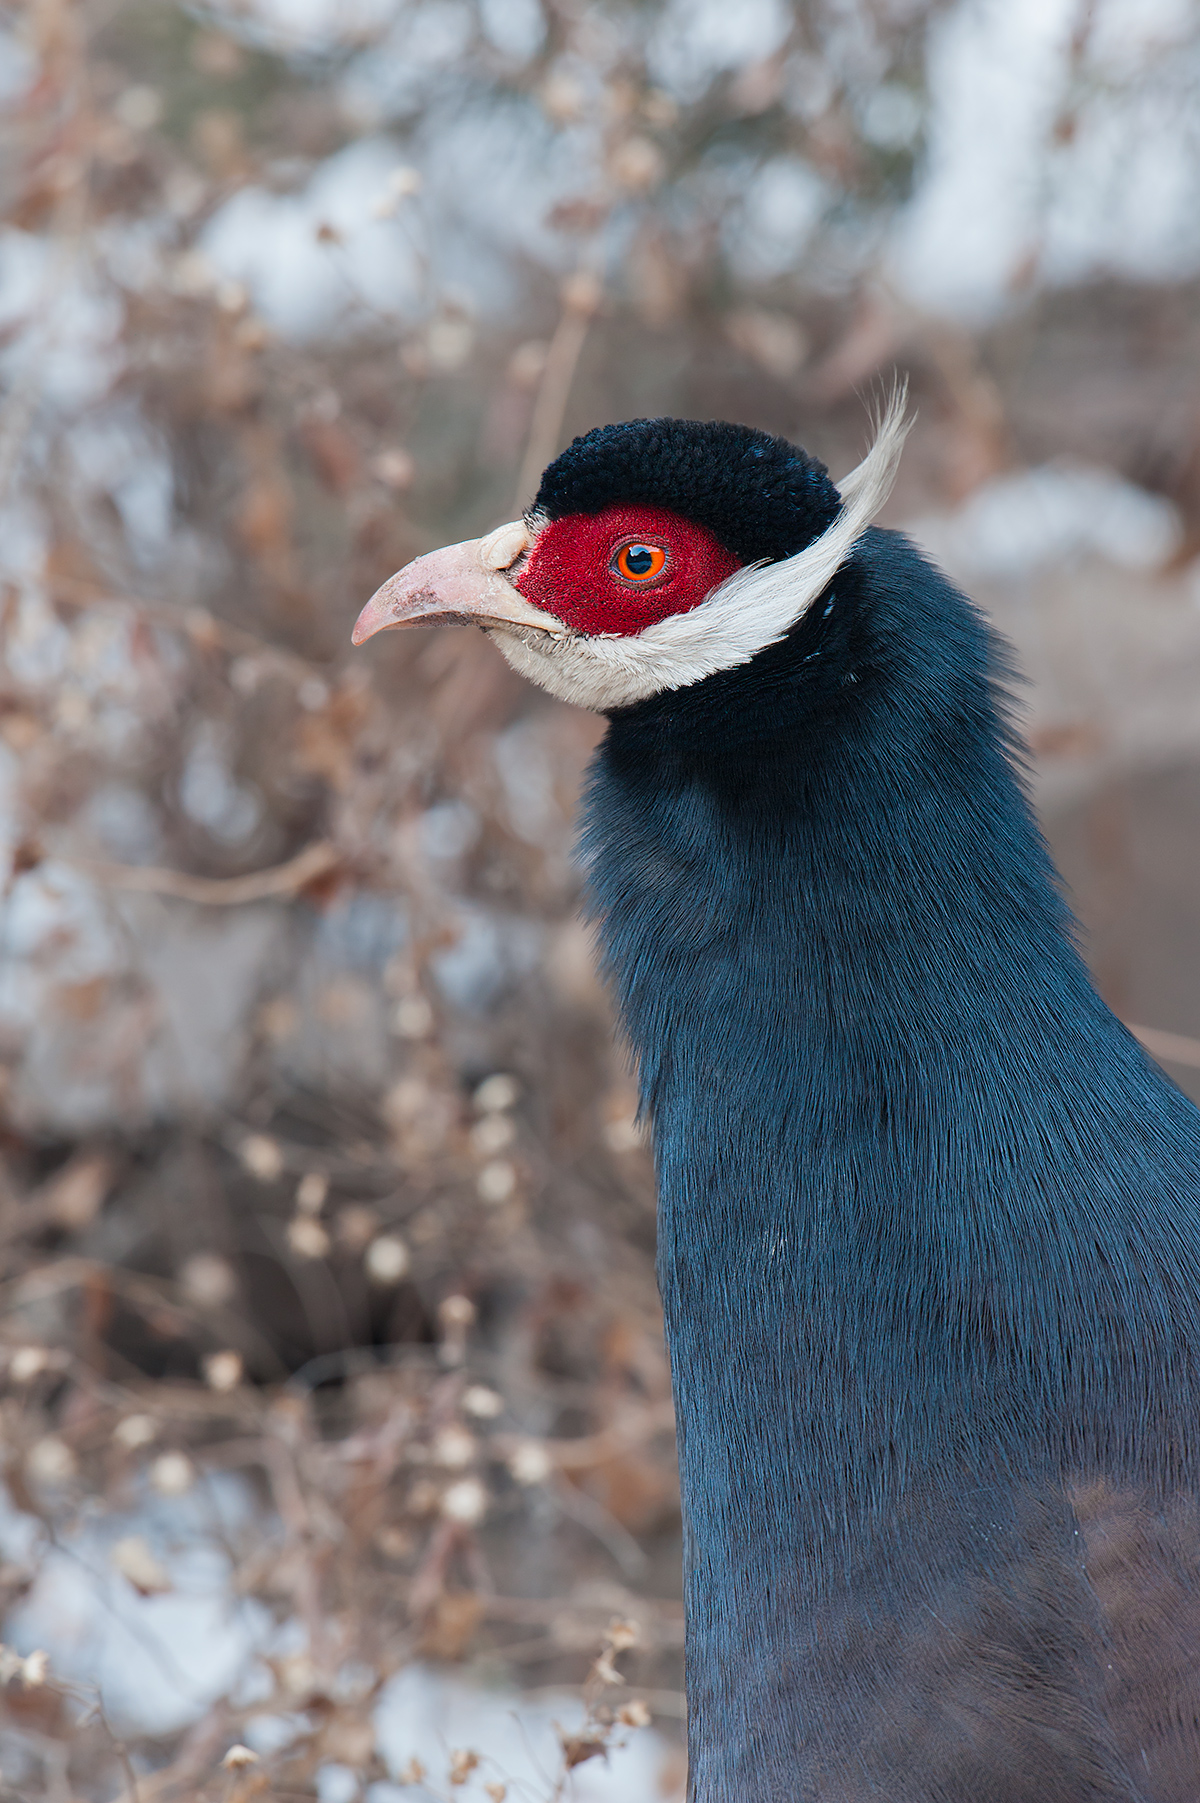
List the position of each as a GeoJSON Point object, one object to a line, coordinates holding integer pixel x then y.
{"type": "Point", "coordinates": [656, 553]}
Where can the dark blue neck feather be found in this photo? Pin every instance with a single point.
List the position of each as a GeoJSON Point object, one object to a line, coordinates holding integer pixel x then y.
{"type": "Point", "coordinates": [929, 1217]}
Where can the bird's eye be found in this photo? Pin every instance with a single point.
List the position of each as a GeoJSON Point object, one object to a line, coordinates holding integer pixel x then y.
{"type": "Point", "coordinates": [638, 562]}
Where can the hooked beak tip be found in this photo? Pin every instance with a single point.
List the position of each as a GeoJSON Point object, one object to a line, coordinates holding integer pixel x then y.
{"type": "Point", "coordinates": [375, 617]}
{"type": "Point", "coordinates": [460, 585]}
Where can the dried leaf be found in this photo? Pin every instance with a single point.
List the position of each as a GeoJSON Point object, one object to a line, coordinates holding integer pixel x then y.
{"type": "Point", "coordinates": [134, 1560]}
{"type": "Point", "coordinates": [451, 1625]}
{"type": "Point", "coordinates": [72, 1198]}
{"type": "Point", "coordinates": [577, 1748]}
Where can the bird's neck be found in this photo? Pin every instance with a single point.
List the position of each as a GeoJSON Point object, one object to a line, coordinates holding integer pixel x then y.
{"type": "Point", "coordinates": [838, 943]}
{"type": "Point", "coordinates": [889, 1110]}
{"type": "Point", "coordinates": [849, 981]}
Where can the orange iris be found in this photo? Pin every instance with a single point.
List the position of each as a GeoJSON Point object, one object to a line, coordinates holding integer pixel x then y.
{"type": "Point", "coordinates": [638, 562]}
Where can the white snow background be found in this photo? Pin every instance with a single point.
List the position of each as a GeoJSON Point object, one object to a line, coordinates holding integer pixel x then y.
{"type": "Point", "coordinates": [158, 1662]}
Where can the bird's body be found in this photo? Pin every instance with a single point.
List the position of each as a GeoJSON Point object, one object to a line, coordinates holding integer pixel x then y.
{"type": "Point", "coordinates": [929, 1218]}
{"type": "Point", "coordinates": [929, 1230]}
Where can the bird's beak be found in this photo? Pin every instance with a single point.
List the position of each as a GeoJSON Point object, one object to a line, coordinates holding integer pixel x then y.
{"type": "Point", "coordinates": [460, 585]}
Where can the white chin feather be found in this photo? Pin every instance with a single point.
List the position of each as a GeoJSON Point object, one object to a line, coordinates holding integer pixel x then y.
{"type": "Point", "coordinates": [753, 608]}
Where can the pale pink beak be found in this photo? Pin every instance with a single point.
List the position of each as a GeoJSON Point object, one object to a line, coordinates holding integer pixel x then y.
{"type": "Point", "coordinates": [460, 585]}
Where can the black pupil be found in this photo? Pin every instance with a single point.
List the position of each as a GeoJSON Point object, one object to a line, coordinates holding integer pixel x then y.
{"type": "Point", "coordinates": [639, 560]}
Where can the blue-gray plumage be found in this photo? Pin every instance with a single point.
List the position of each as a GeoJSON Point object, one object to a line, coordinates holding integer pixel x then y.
{"type": "Point", "coordinates": [929, 1217]}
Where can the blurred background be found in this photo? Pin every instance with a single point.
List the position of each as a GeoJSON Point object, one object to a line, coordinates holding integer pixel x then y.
{"type": "Point", "coordinates": [335, 1419]}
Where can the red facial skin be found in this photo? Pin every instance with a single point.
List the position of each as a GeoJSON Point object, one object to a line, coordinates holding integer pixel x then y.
{"type": "Point", "coordinates": [571, 569]}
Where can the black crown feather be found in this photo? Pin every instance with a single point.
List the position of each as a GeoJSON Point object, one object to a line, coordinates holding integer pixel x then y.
{"type": "Point", "coordinates": [762, 497]}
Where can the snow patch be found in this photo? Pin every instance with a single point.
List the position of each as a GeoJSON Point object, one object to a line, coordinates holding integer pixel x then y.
{"type": "Point", "coordinates": [159, 1662]}
{"type": "Point", "coordinates": [302, 285]}
{"type": "Point", "coordinates": [1033, 519]}
{"type": "Point", "coordinates": [766, 235]}
{"type": "Point", "coordinates": [697, 40]}
{"type": "Point", "coordinates": [424, 1714]}
{"type": "Point", "coordinates": [1002, 194]}
{"type": "Point", "coordinates": [492, 952]}
{"type": "Point", "coordinates": [517, 28]}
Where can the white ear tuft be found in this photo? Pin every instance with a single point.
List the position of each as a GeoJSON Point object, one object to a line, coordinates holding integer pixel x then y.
{"type": "Point", "coordinates": [877, 471]}
{"type": "Point", "coordinates": [757, 605]}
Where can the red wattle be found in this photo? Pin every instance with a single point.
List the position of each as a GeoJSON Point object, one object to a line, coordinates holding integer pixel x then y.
{"type": "Point", "coordinates": [568, 570]}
